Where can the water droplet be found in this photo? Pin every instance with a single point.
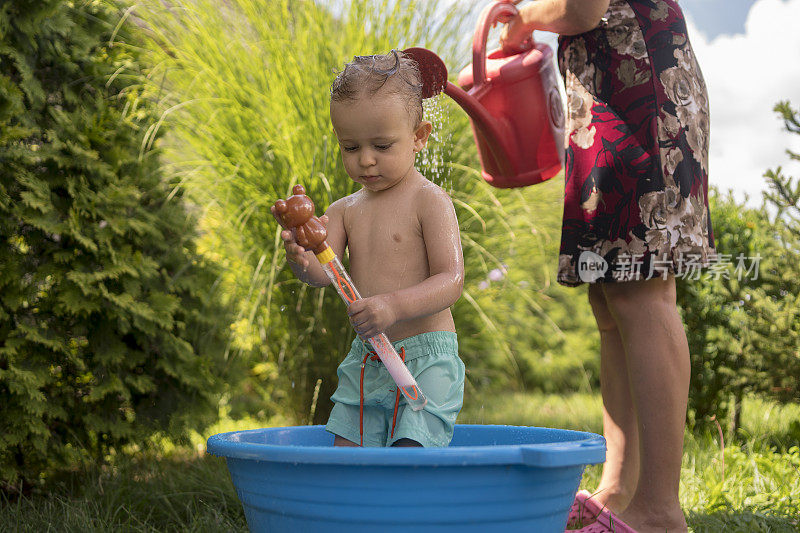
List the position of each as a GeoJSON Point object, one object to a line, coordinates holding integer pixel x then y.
{"type": "Point", "coordinates": [431, 162]}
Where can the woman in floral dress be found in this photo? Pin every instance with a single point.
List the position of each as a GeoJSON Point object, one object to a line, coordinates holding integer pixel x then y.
{"type": "Point", "coordinates": [635, 217]}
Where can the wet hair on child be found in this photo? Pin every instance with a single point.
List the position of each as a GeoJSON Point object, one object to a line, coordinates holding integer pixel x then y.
{"type": "Point", "coordinates": [366, 75]}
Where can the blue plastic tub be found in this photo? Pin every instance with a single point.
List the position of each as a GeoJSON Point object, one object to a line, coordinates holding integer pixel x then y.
{"type": "Point", "coordinates": [491, 478]}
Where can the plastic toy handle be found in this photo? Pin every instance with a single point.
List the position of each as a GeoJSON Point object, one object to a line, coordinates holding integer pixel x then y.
{"type": "Point", "coordinates": [399, 371]}
{"type": "Point", "coordinates": [501, 11]}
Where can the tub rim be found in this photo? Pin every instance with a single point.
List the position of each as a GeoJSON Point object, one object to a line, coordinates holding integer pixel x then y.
{"type": "Point", "coordinates": [586, 448]}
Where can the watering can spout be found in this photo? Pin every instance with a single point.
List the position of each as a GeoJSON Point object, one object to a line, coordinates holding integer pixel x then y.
{"type": "Point", "coordinates": [487, 129]}
{"type": "Point", "coordinates": [512, 99]}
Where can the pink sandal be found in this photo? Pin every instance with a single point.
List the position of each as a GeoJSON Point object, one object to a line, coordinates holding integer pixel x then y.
{"type": "Point", "coordinates": [606, 522]}
{"type": "Point", "coordinates": [584, 510]}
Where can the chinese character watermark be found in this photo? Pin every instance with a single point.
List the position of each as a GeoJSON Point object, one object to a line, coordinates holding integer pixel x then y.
{"type": "Point", "coordinates": [685, 266]}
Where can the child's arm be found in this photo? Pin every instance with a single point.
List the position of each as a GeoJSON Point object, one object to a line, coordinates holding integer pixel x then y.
{"type": "Point", "coordinates": [303, 262]}
{"type": "Point", "coordinates": [439, 291]}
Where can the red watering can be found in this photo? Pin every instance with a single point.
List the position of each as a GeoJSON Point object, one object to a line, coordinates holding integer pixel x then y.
{"type": "Point", "coordinates": [512, 100]}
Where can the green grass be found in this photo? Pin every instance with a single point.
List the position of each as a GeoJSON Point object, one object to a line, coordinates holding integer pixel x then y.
{"type": "Point", "coordinates": [182, 490]}
{"type": "Point", "coordinates": [582, 412]}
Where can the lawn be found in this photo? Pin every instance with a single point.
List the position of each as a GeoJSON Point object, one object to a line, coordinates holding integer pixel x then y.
{"type": "Point", "coordinates": [183, 490]}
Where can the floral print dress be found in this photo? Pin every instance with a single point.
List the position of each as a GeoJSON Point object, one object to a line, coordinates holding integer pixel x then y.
{"type": "Point", "coordinates": [636, 196]}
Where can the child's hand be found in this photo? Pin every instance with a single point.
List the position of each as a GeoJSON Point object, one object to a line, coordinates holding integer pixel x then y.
{"type": "Point", "coordinates": [294, 252]}
{"type": "Point", "coordinates": [371, 316]}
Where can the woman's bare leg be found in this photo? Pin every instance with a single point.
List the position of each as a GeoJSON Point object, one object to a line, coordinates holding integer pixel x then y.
{"type": "Point", "coordinates": [621, 468]}
{"type": "Point", "coordinates": [658, 364]}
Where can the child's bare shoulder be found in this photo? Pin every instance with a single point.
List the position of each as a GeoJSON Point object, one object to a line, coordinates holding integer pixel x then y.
{"type": "Point", "coordinates": [430, 197]}
{"type": "Point", "coordinates": [340, 206]}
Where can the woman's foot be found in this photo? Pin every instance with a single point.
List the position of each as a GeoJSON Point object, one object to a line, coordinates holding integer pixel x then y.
{"type": "Point", "coordinates": [632, 522]}
{"type": "Point", "coordinates": [651, 520]}
{"type": "Point", "coordinates": [612, 498]}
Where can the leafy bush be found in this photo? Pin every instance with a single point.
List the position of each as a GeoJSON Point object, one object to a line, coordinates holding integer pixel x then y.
{"type": "Point", "coordinates": [109, 330]}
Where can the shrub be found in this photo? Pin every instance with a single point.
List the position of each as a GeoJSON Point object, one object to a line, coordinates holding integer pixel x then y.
{"type": "Point", "coordinates": [744, 331]}
{"type": "Point", "coordinates": [109, 329]}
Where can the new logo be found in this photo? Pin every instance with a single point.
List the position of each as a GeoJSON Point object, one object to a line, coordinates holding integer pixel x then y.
{"type": "Point", "coordinates": [591, 266]}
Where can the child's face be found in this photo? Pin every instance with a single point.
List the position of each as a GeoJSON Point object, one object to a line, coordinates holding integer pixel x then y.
{"type": "Point", "coordinates": [377, 139]}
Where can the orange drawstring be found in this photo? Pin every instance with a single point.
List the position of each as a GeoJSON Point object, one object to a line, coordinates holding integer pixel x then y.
{"type": "Point", "coordinates": [374, 356]}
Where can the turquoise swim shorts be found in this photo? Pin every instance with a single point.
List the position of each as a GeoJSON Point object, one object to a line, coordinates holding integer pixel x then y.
{"type": "Point", "coordinates": [432, 358]}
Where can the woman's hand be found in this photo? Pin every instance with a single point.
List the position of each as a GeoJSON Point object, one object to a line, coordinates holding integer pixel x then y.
{"type": "Point", "coordinates": [371, 316]}
{"type": "Point", "coordinates": [515, 33]}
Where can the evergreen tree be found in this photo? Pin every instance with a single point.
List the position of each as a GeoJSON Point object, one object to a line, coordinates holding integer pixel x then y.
{"type": "Point", "coordinates": [109, 330]}
{"type": "Point", "coordinates": [744, 332]}
{"type": "Point", "coordinates": [782, 334]}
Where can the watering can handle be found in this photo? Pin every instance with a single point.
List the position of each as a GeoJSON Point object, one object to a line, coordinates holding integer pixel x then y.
{"type": "Point", "coordinates": [500, 11]}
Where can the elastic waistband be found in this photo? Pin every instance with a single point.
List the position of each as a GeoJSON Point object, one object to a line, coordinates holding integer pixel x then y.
{"type": "Point", "coordinates": [431, 342]}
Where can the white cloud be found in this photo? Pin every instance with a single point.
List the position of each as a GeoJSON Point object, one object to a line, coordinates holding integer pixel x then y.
{"type": "Point", "coordinates": [747, 75]}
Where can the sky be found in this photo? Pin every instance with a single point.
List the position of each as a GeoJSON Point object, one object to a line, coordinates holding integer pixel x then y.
{"type": "Point", "coordinates": [749, 52]}
{"type": "Point", "coordinates": [750, 56]}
